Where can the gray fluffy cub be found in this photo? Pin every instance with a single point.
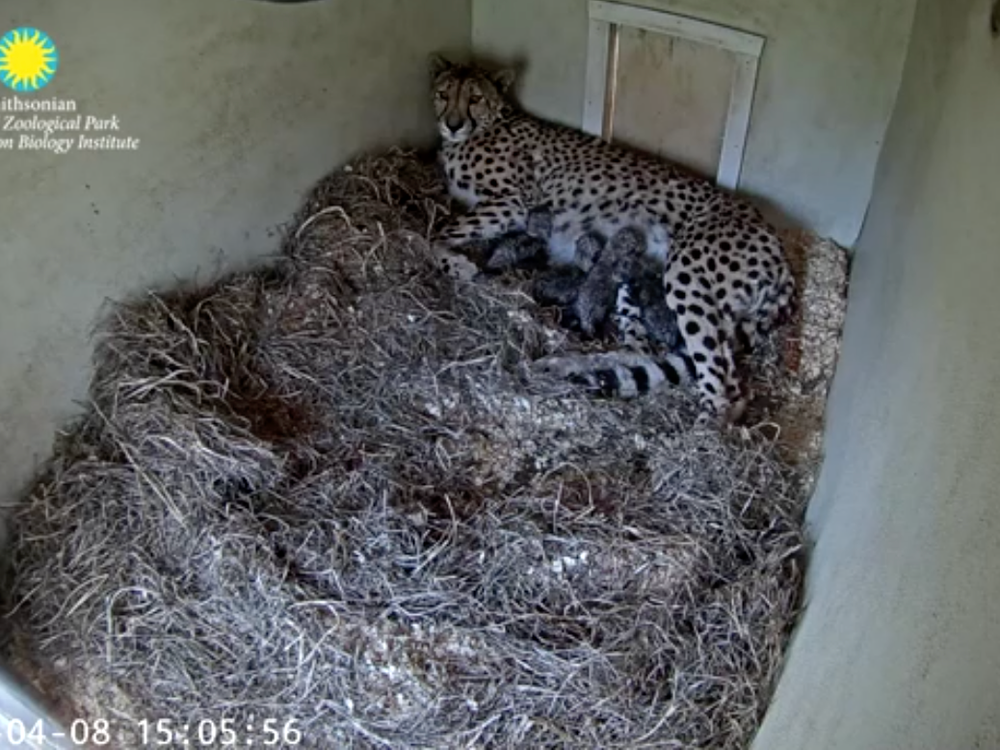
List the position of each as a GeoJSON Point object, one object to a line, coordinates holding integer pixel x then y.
{"type": "Point", "coordinates": [588, 291]}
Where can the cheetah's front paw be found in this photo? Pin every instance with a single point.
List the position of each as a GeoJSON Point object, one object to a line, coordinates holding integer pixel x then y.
{"type": "Point", "coordinates": [455, 265]}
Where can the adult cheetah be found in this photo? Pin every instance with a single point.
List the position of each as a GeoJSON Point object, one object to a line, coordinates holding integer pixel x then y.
{"type": "Point", "coordinates": [724, 266]}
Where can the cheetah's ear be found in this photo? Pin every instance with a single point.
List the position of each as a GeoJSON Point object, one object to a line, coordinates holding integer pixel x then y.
{"type": "Point", "coordinates": [504, 79]}
{"type": "Point", "coordinates": [438, 65]}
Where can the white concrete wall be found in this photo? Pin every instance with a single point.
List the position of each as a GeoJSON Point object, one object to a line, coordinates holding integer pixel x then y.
{"type": "Point", "coordinates": [239, 106]}
{"type": "Point", "coordinates": [899, 647]}
{"type": "Point", "coordinates": [828, 80]}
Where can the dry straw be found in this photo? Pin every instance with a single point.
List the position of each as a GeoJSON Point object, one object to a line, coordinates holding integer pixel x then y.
{"type": "Point", "coordinates": [326, 491]}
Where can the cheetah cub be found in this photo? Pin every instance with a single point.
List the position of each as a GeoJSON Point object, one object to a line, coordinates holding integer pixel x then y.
{"type": "Point", "coordinates": [724, 268]}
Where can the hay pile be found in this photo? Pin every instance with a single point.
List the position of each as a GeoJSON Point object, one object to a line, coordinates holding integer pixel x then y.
{"type": "Point", "coordinates": [324, 491]}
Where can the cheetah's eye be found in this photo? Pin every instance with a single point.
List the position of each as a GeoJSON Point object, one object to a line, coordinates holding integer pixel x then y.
{"type": "Point", "coordinates": [475, 99]}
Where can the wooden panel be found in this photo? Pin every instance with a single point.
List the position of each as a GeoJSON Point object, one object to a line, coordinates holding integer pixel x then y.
{"type": "Point", "coordinates": [738, 123]}
{"type": "Point", "coordinates": [672, 97]}
{"type": "Point", "coordinates": [739, 42]}
{"type": "Point", "coordinates": [597, 71]}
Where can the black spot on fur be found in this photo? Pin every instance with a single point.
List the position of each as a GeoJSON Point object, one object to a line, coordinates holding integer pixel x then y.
{"type": "Point", "coordinates": [689, 366]}
{"type": "Point", "coordinates": [673, 377]}
{"type": "Point", "coordinates": [641, 379]}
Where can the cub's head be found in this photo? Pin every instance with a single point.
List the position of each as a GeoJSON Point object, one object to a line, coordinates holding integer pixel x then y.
{"type": "Point", "coordinates": [467, 99]}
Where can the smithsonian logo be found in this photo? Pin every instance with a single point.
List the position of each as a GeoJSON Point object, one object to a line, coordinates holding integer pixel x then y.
{"type": "Point", "coordinates": [28, 61]}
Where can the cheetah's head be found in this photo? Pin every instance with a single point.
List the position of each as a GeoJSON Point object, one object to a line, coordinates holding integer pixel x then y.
{"type": "Point", "coordinates": [467, 99]}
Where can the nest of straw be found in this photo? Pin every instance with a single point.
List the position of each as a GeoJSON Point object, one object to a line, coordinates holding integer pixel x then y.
{"type": "Point", "coordinates": [325, 491]}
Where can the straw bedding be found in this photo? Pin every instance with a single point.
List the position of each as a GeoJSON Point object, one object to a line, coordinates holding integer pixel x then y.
{"type": "Point", "coordinates": [327, 491]}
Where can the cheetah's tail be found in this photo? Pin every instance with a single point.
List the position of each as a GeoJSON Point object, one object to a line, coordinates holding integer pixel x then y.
{"type": "Point", "coordinates": [620, 374]}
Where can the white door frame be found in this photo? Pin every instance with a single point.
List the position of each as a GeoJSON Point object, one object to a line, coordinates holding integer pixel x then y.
{"type": "Point", "coordinates": [602, 64]}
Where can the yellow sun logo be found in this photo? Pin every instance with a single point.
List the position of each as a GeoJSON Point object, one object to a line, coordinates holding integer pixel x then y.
{"type": "Point", "coordinates": [28, 59]}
